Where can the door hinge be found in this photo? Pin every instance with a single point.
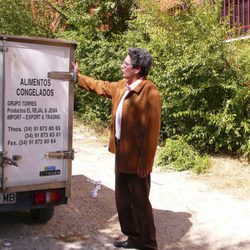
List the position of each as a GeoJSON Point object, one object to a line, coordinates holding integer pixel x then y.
{"type": "Point", "coordinates": [11, 161]}
{"type": "Point", "coordinates": [60, 155]}
{"type": "Point", "coordinates": [7, 161]}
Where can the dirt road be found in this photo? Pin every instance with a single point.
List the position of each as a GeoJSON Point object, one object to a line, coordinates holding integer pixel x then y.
{"type": "Point", "coordinates": [189, 213]}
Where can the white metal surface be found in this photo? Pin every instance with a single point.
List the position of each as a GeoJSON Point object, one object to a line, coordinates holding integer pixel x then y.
{"type": "Point", "coordinates": [35, 112]}
{"type": "Point", "coordinates": [1, 94]}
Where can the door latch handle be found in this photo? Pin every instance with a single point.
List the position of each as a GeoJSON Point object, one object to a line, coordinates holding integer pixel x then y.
{"type": "Point", "coordinates": [60, 155]}
{"type": "Point", "coordinates": [62, 75]}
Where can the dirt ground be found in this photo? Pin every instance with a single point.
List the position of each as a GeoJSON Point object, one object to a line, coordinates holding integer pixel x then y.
{"type": "Point", "coordinates": [207, 212]}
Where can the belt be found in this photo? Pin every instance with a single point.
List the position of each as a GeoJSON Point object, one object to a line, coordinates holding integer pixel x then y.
{"type": "Point", "coordinates": [117, 141]}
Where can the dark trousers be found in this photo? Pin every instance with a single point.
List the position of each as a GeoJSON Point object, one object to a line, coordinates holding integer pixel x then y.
{"type": "Point", "coordinates": [134, 208]}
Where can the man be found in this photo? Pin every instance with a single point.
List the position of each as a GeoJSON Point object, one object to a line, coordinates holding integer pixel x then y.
{"type": "Point", "coordinates": [135, 127]}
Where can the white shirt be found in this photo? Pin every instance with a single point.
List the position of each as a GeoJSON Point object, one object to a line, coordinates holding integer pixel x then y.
{"type": "Point", "coordinates": [118, 115]}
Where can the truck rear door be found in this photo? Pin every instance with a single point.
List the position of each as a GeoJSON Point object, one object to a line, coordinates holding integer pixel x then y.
{"type": "Point", "coordinates": [37, 114]}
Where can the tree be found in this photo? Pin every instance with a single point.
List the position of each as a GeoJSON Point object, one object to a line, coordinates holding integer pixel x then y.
{"type": "Point", "coordinates": [19, 18]}
{"type": "Point", "coordinates": [204, 97]}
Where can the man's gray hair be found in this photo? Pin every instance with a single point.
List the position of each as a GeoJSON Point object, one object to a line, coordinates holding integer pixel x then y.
{"type": "Point", "coordinates": [141, 58]}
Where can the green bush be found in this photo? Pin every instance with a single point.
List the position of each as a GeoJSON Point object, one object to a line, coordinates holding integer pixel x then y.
{"type": "Point", "coordinates": [205, 95]}
{"type": "Point", "coordinates": [178, 155]}
{"type": "Point", "coordinates": [101, 60]}
{"type": "Point", "coordinates": [21, 18]}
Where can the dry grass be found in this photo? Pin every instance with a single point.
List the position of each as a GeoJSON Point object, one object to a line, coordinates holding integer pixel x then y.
{"type": "Point", "coordinates": [100, 133]}
{"type": "Point", "coordinates": [229, 175]}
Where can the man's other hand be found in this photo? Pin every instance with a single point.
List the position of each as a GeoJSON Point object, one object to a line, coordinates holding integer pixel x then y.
{"type": "Point", "coordinates": [142, 172]}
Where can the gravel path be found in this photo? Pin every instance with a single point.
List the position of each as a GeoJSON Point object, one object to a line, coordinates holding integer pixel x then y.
{"type": "Point", "coordinates": [189, 214]}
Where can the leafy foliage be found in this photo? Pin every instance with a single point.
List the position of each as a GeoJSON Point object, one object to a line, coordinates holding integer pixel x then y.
{"type": "Point", "coordinates": [178, 155]}
{"type": "Point", "coordinates": [22, 18]}
{"type": "Point", "coordinates": [204, 98]}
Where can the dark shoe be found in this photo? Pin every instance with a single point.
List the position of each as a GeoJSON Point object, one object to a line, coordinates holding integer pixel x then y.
{"type": "Point", "coordinates": [126, 244]}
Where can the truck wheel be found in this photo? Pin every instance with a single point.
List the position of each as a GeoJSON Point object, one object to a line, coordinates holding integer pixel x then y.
{"type": "Point", "coordinates": [42, 215]}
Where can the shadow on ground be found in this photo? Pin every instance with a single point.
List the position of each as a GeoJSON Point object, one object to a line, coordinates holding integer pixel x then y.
{"type": "Point", "coordinates": [87, 223]}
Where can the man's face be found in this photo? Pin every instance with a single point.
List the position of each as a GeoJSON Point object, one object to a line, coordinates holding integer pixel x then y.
{"type": "Point", "coordinates": [128, 72]}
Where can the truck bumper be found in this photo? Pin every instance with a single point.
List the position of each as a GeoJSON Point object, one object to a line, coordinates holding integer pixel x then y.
{"type": "Point", "coordinates": [28, 200]}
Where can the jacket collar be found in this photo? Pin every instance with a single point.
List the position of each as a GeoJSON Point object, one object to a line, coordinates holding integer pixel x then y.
{"type": "Point", "coordinates": [140, 86]}
{"type": "Point", "coordinates": [136, 90]}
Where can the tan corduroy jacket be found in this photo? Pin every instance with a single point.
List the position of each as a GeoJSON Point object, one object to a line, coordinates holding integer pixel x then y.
{"type": "Point", "coordinates": [141, 119]}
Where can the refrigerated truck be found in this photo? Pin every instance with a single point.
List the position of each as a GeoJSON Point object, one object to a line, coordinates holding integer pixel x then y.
{"type": "Point", "coordinates": [36, 117]}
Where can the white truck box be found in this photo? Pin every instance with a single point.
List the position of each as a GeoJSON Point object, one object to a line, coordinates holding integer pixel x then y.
{"type": "Point", "coordinates": [36, 117]}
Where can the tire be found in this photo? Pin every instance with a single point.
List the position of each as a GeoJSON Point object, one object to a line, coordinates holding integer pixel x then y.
{"type": "Point", "coordinates": [42, 215]}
